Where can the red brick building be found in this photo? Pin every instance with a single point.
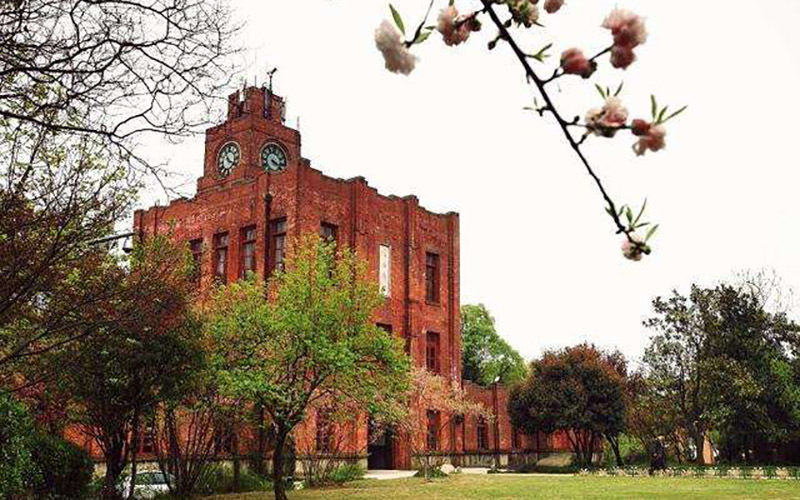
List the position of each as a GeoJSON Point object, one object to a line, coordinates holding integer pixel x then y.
{"type": "Point", "coordinates": [257, 192]}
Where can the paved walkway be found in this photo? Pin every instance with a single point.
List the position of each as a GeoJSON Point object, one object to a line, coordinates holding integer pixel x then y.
{"type": "Point", "coordinates": [400, 474]}
{"type": "Point", "coordinates": [389, 474]}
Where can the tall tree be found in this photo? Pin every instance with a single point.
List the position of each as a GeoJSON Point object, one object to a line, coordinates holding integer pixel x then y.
{"type": "Point", "coordinates": [726, 363]}
{"type": "Point", "coordinates": [577, 390]}
{"type": "Point", "coordinates": [486, 356]}
{"type": "Point", "coordinates": [113, 69]}
{"type": "Point", "coordinates": [115, 378]}
{"type": "Point", "coordinates": [308, 336]}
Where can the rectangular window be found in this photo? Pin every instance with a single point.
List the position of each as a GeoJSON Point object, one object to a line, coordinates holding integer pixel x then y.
{"type": "Point", "coordinates": [432, 278]}
{"type": "Point", "coordinates": [147, 434]}
{"type": "Point", "coordinates": [385, 270]}
{"type": "Point", "coordinates": [329, 232]}
{"type": "Point", "coordinates": [277, 250]}
{"type": "Point", "coordinates": [432, 352]}
{"type": "Point", "coordinates": [247, 251]}
{"type": "Point", "coordinates": [433, 430]}
{"type": "Point", "coordinates": [221, 257]}
{"type": "Point", "coordinates": [483, 434]}
{"type": "Point", "coordinates": [386, 328]}
{"type": "Point", "coordinates": [196, 247]}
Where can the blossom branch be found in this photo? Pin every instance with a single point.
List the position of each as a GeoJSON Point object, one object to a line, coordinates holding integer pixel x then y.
{"type": "Point", "coordinates": [540, 85]}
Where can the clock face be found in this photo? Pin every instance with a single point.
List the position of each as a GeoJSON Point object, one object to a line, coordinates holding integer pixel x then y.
{"type": "Point", "coordinates": [228, 158]}
{"type": "Point", "coordinates": [273, 158]}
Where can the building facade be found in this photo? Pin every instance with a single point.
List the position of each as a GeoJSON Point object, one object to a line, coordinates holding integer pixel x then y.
{"type": "Point", "coordinates": [258, 193]}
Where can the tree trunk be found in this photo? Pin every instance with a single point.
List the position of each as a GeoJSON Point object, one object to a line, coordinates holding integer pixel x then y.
{"type": "Point", "coordinates": [237, 463]}
{"type": "Point", "coordinates": [134, 451]}
{"type": "Point", "coordinates": [614, 442]}
{"type": "Point", "coordinates": [258, 462]}
{"type": "Point", "coordinates": [699, 443]}
{"type": "Point", "coordinates": [278, 485]}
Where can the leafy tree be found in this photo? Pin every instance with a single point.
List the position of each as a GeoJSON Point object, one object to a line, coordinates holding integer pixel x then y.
{"type": "Point", "coordinates": [18, 471]}
{"type": "Point", "coordinates": [116, 377]}
{"type": "Point", "coordinates": [486, 357]}
{"type": "Point", "coordinates": [577, 390]}
{"type": "Point", "coordinates": [725, 363]}
{"type": "Point", "coordinates": [306, 337]}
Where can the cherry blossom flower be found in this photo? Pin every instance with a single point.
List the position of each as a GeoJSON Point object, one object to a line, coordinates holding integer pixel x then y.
{"type": "Point", "coordinates": [640, 127]}
{"type": "Point", "coordinates": [524, 12]}
{"type": "Point", "coordinates": [634, 248]}
{"type": "Point", "coordinates": [606, 121]}
{"type": "Point", "coordinates": [652, 140]}
{"type": "Point", "coordinates": [622, 57]}
{"type": "Point", "coordinates": [396, 55]}
{"type": "Point", "coordinates": [629, 32]}
{"type": "Point", "coordinates": [454, 30]}
{"type": "Point", "coordinates": [552, 6]}
{"type": "Point", "coordinates": [573, 62]}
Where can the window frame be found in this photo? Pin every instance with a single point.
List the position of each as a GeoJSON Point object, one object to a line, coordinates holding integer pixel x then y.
{"type": "Point", "coordinates": [248, 236]}
{"type": "Point", "coordinates": [276, 235]}
{"type": "Point", "coordinates": [432, 425]}
{"type": "Point", "coordinates": [433, 282]}
{"type": "Point", "coordinates": [219, 250]}
{"type": "Point", "coordinates": [433, 350]}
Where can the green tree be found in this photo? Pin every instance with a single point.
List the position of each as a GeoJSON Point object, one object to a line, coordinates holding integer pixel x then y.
{"type": "Point", "coordinates": [725, 361]}
{"type": "Point", "coordinates": [18, 471]}
{"type": "Point", "coordinates": [577, 390]}
{"type": "Point", "coordinates": [143, 354]}
{"type": "Point", "coordinates": [486, 357]}
{"type": "Point", "coordinates": [307, 337]}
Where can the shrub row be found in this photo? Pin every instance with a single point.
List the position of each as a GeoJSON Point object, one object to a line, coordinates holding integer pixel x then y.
{"type": "Point", "coordinates": [722, 471]}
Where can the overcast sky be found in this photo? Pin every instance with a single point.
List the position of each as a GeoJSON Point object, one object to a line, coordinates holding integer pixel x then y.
{"type": "Point", "coordinates": [536, 245]}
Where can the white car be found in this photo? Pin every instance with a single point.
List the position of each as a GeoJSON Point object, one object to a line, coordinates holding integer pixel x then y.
{"type": "Point", "coordinates": [148, 485]}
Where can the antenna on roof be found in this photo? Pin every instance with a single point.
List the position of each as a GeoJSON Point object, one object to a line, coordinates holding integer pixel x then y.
{"type": "Point", "coordinates": [270, 74]}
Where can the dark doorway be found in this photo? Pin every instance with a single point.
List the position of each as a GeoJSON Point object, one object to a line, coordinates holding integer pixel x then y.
{"type": "Point", "coordinates": [379, 449]}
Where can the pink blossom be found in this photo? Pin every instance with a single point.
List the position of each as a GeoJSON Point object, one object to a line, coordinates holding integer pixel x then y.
{"type": "Point", "coordinates": [397, 57]}
{"type": "Point", "coordinates": [552, 6]}
{"type": "Point", "coordinates": [453, 29]}
{"type": "Point", "coordinates": [640, 127]}
{"type": "Point", "coordinates": [629, 32]}
{"type": "Point", "coordinates": [627, 28]}
{"type": "Point", "coordinates": [606, 121]}
{"type": "Point", "coordinates": [653, 140]}
{"type": "Point", "coordinates": [622, 57]}
{"type": "Point", "coordinates": [524, 12]}
{"type": "Point", "coordinates": [634, 248]}
{"type": "Point", "coordinates": [573, 62]}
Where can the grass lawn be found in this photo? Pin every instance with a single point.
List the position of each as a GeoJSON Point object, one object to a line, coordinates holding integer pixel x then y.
{"type": "Point", "coordinates": [521, 486]}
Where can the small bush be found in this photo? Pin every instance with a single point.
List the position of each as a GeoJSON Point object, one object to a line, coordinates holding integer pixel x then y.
{"type": "Point", "coordinates": [66, 469]}
{"type": "Point", "coordinates": [347, 473]}
{"type": "Point", "coordinates": [549, 469]}
{"type": "Point", "coordinates": [433, 473]}
{"type": "Point", "coordinates": [220, 480]}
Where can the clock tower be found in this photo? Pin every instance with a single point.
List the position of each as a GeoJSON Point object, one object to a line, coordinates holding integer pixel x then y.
{"type": "Point", "coordinates": [251, 141]}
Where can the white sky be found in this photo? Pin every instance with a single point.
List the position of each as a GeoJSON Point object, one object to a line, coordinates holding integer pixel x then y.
{"type": "Point", "coordinates": [536, 245]}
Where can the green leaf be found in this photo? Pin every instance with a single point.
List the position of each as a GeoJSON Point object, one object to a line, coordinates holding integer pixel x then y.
{"type": "Point", "coordinates": [619, 89]}
{"type": "Point", "coordinates": [650, 233]}
{"type": "Point", "coordinates": [661, 115]}
{"type": "Point", "coordinates": [629, 214]}
{"type": "Point", "coordinates": [653, 106]}
{"type": "Point", "coordinates": [676, 113]}
{"type": "Point", "coordinates": [644, 205]}
{"type": "Point", "coordinates": [397, 19]}
{"type": "Point", "coordinates": [600, 89]}
{"type": "Point", "coordinates": [422, 37]}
